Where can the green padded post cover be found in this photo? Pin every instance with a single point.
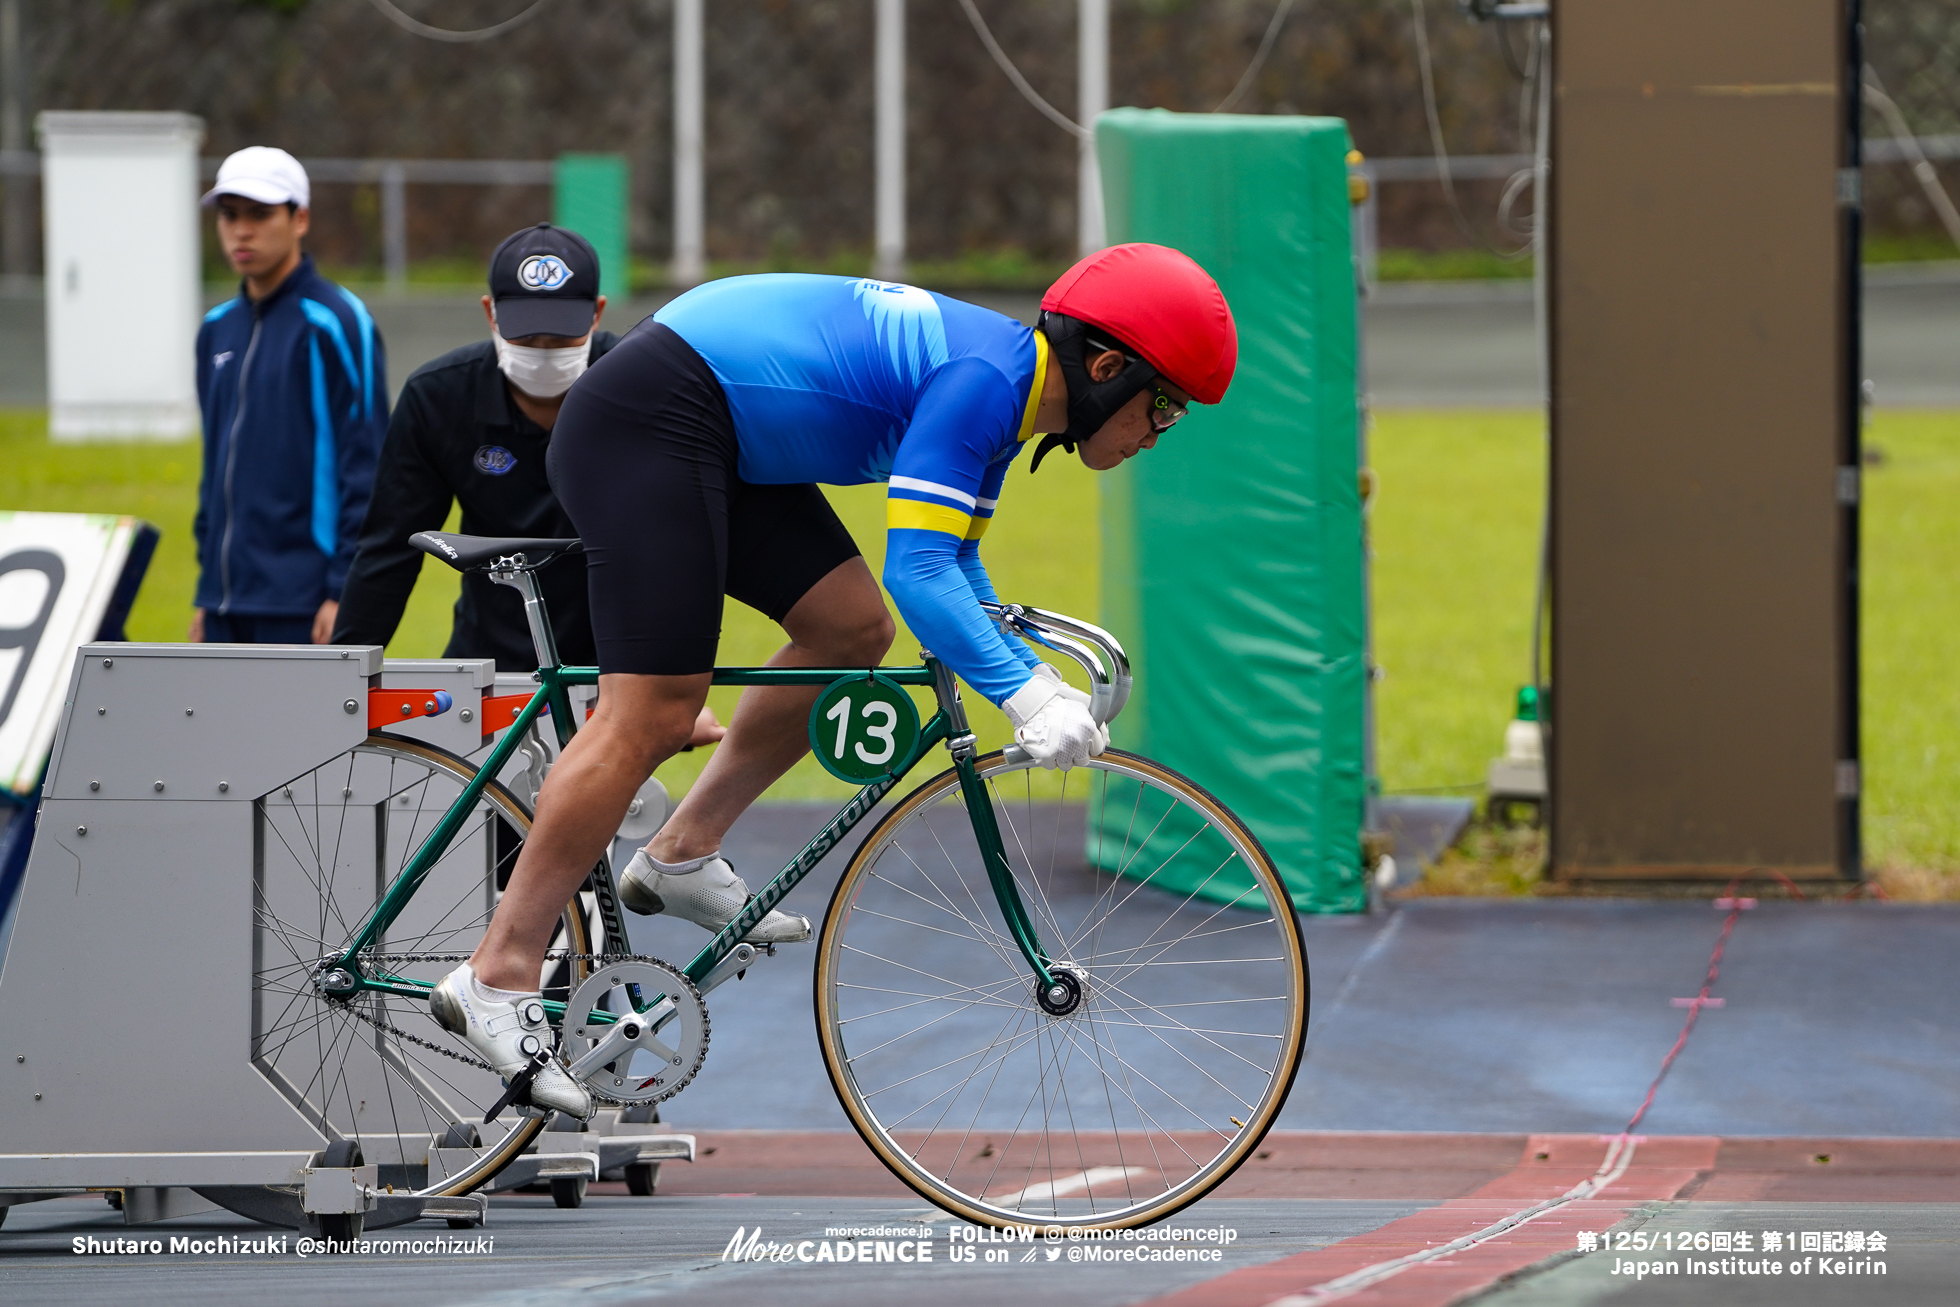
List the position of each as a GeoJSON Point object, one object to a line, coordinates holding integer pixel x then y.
{"type": "Point", "coordinates": [591, 198]}
{"type": "Point", "coordinates": [1232, 553]}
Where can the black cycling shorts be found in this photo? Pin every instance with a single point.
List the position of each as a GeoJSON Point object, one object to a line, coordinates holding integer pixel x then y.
{"type": "Point", "coordinates": [643, 458]}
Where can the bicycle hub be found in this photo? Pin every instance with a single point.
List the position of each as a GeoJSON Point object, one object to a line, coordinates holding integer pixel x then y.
{"type": "Point", "coordinates": [337, 983]}
{"type": "Point", "coordinates": [1062, 997]}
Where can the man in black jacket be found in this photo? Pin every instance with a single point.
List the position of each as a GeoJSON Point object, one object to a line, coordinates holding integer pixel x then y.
{"type": "Point", "coordinates": [472, 426]}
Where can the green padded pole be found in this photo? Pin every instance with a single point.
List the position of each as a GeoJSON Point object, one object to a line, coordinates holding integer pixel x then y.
{"type": "Point", "coordinates": [1232, 553]}
{"type": "Point", "coordinates": [592, 198]}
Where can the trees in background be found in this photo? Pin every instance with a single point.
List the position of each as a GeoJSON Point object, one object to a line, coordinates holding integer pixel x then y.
{"type": "Point", "coordinates": [789, 112]}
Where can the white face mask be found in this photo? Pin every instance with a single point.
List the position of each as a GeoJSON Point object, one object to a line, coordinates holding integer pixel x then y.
{"type": "Point", "coordinates": [541, 373]}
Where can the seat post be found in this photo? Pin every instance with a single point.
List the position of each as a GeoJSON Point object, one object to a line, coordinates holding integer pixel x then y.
{"type": "Point", "coordinates": [511, 571]}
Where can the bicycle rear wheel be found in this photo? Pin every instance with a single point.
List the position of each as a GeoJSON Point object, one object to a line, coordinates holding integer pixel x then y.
{"type": "Point", "coordinates": [1133, 1102]}
{"type": "Point", "coordinates": [378, 1069]}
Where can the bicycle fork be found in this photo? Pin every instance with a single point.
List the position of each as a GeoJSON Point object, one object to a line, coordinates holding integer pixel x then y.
{"type": "Point", "coordinates": [993, 850]}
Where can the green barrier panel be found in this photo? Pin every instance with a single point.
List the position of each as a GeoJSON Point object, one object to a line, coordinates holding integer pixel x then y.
{"type": "Point", "coordinates": [1232, 553]}
{"type": "Point", "coordinates": [591, 198]}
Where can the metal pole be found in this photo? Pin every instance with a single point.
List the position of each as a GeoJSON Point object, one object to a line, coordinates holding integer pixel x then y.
{"type": "Point", "coordinates": [1092, 81]}
{"type": "Point", "coordinates": [394, 226]}
{"type": "Point", "coordinates": [690, 256]}
{"type": "Point", "coordinates": [17, 243]}
{"type": "Point", "coordinates": [1541, 293]}
{"type": "Point", "coordinates": [1851, 160]}
{"type": "Point", "coordinates": [1368, 230]}
{"type": "Point", "coordinates": [889, 63]}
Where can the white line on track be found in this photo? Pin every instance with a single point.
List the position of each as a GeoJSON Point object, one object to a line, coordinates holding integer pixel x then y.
{"type": "Point", "coordinates": [1618, 1158]}
{"type": "Point", "coordinates": [1068, 1184]}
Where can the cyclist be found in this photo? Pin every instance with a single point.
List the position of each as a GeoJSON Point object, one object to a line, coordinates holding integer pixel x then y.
{"type": "Point", "coordinates": [689, 456]}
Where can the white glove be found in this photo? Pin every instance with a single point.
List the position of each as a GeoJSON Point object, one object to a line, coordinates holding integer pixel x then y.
{"type": "Point", "coordinates": [1052, 722]}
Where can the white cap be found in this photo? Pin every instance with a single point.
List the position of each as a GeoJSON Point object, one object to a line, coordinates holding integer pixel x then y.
{"type": "Point", "coordinates": [262, 173]}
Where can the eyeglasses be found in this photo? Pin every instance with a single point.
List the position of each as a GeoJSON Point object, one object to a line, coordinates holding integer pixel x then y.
{"type": "Point", "coordinates": [1165, 411]}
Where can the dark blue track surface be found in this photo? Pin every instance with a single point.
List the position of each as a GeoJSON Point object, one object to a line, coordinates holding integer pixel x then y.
{"type": "Point", "coordinates": [1489, 1015]}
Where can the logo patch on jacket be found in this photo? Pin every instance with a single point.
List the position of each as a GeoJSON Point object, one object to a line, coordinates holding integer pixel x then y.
{"type": "Point", "coordinates": [495, 460]}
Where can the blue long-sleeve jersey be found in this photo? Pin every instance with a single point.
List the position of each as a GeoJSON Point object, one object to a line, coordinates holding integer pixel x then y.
{"type": "Point", "coordinates": [295, 400]}
{"type": "Point", "coordinates": [845, 380]}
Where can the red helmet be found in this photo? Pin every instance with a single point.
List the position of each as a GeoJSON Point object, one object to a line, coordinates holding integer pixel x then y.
{"type": "Point", "coordinates": [1162, 305]}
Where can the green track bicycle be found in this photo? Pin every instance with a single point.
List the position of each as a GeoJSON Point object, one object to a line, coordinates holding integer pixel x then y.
{"type": "Point", "coordinates": [1077, 1001]}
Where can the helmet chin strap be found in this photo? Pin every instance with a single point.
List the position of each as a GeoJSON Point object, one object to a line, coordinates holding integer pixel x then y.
{"type": "Point", "coordinates": [1091, 403]}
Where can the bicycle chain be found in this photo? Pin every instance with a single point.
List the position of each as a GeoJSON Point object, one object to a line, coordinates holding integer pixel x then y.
{"type": "Point", "coordinates": [478, 1063]}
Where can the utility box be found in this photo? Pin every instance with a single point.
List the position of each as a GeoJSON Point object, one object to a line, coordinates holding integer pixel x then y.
{"type": "Point", "coordinates": [122, 294]}
{"type": "Point", "coordinates": [1233, 563]}
{"type": "Point", "coordinates": [591, 197]}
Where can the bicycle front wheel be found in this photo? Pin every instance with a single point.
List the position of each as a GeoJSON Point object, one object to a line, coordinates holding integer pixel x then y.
{"type": "Point", "coordinates": [376, 1068]}
{"type": "Point", "coordinates": [1116, 1109]}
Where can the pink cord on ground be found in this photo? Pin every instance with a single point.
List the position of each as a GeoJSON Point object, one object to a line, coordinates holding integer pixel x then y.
{"type": "Point", "coordinates": [1701, 999]}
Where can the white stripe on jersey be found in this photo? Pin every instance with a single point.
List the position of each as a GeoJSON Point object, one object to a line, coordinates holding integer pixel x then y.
{"type": "Point", "coordinates": [934, 488]}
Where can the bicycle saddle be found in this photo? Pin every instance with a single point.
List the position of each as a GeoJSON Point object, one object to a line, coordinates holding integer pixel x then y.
{"type": "Point", "coordinates": [465, 553]}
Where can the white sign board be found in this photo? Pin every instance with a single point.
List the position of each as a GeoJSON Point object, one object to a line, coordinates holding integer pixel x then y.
{"type": "Point", "coordinates": [58, 573]}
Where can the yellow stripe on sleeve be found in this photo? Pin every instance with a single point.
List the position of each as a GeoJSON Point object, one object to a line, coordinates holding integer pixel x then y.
{"type": "Point", "coordinates": [915, 515]}
{"type": "Point", "coordinates": [1034, 390]}
{"type": "Point", "coordinates": [977, 528]}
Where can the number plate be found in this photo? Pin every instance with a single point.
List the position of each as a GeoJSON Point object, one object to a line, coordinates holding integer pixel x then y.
{"type": "Point", "coordinates": [863, 729]}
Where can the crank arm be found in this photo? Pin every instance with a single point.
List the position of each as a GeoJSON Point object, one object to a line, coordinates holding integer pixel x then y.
{"type": "Point", "coordinates": [739, 959]}
{"type": "Point", "coordinates": [626, 1034]}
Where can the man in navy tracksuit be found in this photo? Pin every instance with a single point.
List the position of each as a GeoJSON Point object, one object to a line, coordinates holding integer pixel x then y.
{"type": "Point", "coordinates": [291, 377]}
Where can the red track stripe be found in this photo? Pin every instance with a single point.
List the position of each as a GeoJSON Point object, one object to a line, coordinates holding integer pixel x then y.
{"type": "Point", "coordinates": [1566, 1162]}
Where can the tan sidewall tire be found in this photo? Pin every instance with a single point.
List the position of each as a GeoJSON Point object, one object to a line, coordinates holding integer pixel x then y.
{"type": "Point", "coordinates": [961, 1205]}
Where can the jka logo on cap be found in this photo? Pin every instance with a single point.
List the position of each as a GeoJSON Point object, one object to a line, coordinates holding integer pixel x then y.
{"type": "Point", "coordinates": [543, 272]}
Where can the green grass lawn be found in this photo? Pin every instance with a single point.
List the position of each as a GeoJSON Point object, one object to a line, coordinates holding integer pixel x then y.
{"type": "Point", "coordinates": [1455, 531]}
{"type": "Point", "coordinates": [1911, 651]}
{"type": "Point", "coordinates": [1455, 526]}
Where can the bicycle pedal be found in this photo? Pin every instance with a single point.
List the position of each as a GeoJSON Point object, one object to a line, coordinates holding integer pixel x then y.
{"type": "Point", "coordinates": [518, 1091]}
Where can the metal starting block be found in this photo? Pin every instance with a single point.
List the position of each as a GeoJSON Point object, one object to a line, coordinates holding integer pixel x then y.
{"type": "Point", "coordinates": [142, 881]}
{"type": "Point", "coordinates": [602, 1151]}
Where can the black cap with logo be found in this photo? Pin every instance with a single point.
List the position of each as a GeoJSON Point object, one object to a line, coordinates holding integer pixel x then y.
{"type": "Point", "coordinates": [544, 281]}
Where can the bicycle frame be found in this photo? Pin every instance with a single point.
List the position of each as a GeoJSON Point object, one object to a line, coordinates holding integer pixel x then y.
{"type": "Point", "coordinates": [345, 977]}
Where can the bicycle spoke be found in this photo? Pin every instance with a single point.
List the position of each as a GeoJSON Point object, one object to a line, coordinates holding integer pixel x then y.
{"type": "Point", "coordinates": [918, 925]}
{"type": "Point", "coordinates": [990, 1000]}
{"type": "Point", "coordinates": [924, 1025]}
{"type": "Point", "coordinates": [1043, 912]}
{"type": "Point", "coordinates": [917, 1074]}
{"type": "Point", "coordinates": [1013, 1045]}
{"type": "Point", "coordinates": [1016, 1015]}
{"type": "Point", "coordinates": [1193, 1063]}
{"type": "Point", "coordinates": [979, 912]}
{"type": "Point", "coordinates": [983, 931]}
{"type": "Point", "coordinates": [902, 966]}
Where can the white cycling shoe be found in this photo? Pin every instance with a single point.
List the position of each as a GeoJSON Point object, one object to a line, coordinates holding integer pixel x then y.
{"type": "Point", "coordinates": [708, 893]}
{"type": "Point", "coordinates": [508, 1036]}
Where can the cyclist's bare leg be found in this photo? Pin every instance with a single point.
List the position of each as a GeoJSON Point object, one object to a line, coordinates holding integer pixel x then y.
{"type": "Point", "coordinates": [841, 621]}
{"type": "Point", "coordinates": [640, 722]}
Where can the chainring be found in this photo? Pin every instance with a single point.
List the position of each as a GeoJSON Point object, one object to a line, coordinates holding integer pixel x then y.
{"type": "Point", "coordinates": [667, 1058]}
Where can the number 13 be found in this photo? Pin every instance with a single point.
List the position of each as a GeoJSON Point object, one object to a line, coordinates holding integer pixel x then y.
{"type": "Point", "coordinates": [841, 713]}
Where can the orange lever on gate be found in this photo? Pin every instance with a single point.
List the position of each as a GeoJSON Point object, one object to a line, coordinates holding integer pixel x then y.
{"type": "Point", "coordinates": [500, 710]}
{"type": "Point", "coordinates": [393, 707]}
